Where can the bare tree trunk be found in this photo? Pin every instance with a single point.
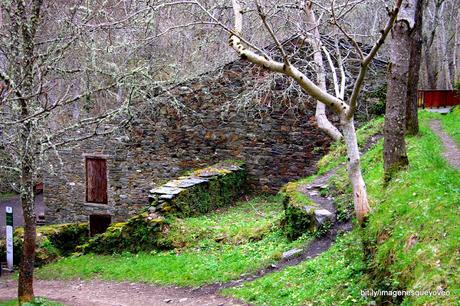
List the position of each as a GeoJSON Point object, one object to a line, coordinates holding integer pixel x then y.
{"type": "Point", "coordinates": [28, 149]}
{"type": "Point", "coordinates": [354, 171]}
{"type": "Point", "coordinates": [414, 71]}
{"type": "Point", "coordinates": [431, 70]}
{"type": "Point", "coordinates": [456, 52]}
{"type": "Point", "coordinates": [431, 64]}
{"type": "Point", "coordinates": [444, 57]}
{"type": "Point", "coordinates": [26, 271]}
{"type": "Point", "coordinates": [394, 151]}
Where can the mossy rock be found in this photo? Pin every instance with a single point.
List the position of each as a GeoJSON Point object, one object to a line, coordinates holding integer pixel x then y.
{"type": "Point", "coordinates": [298, 219]}
{"type": "Point", "coordinates": [299, 212]}
{"type": "Point", "coordinates": [53, 242]}
{"type": "Point", "coordinates": [142, 232]}
{"type": "Point", "coordinates": [222, 184]}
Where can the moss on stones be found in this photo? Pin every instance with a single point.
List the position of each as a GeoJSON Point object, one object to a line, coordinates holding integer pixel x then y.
{"type": "Point", "coordinates": [200, 192]}
{"type": "Point", "coordinates": [53, 241]}
{"type": "Point", "coordinates": [206, 189]}
{"type": "Point", "coordinates": [141, 233]}
{"type": "Point", "coordinates": [299, 212]}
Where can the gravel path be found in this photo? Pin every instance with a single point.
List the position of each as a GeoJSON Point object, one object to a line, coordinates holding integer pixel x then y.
{"type": "Point", "coordinates": [105, 293]}
{"type": "Point", "coordinates": [451, 150]}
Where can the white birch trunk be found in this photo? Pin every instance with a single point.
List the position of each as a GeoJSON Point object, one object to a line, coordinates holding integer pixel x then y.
{"type": "Point", "coordinates": [323, 122]}
{"type": "Point", "coordinates": [360, 200]}
{"type": "Point", "coordinates": [344, 110]}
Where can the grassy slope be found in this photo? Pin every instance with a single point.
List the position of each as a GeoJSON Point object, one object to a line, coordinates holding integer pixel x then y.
{"type": "Point", "coordinates": [414, 231]}
{"type": "Point", "coordinates": [212, 248]}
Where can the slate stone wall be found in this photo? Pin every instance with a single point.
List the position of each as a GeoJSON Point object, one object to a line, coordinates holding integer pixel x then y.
{"type": "Point", "coordinates": [274, 133]}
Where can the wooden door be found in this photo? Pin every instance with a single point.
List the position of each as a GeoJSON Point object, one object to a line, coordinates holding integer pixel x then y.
{"type": "Point", "coordinates": [96, 180]}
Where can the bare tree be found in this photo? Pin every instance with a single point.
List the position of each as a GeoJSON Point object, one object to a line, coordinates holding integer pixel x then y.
{"type": "Point", "coordinates": [51, 66]}
{"type": "Point", "coordinates": [440, 41]}
{"type": "Point", "coordinates": [321, 118]}
{"type": "Point", "coordinates": [345, 110]}
{"type": "Point", "coordinates": [394, 152]}
{"type": "Point", "coordinates": [456, 51]}
{"type": "Point", "coordinates": [429, 39]}
{"type": "Point", "coordinates": [414, 70]}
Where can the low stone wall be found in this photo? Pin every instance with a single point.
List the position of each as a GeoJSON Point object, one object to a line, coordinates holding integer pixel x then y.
{"type": "Point", "coordinates": [142, 232]}
{"type": "Point", "coordinates": [53, 242]}
{"type": "Point", "coordinates": [200, 192]}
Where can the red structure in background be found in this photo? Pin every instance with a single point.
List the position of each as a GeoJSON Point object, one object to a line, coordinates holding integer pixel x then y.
{"type": "Point", "coordinates": [438, 98]}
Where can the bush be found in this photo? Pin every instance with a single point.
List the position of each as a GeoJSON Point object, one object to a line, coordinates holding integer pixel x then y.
{"type": "Point", "coordinates": [53, 241]}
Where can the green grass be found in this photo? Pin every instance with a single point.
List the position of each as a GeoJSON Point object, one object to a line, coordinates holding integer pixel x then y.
{"type": "Point", "coordinates": [213, 248]}
{"type": "Point", "coordinates": [38, 301]}
{"type": "Point", "coordinates": [451, 124]}
{"type": "Point", "coordinates": [240, 224]}
{"type": "Point", "coordinates": [413, 235]}
{"type": "Point", "coordinates": [337, 154]}
{"type": "Point", "coordinates": [334, 276]}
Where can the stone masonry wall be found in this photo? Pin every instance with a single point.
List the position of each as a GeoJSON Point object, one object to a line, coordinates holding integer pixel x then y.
{"type": "Point", "coordinates": [275, 135]}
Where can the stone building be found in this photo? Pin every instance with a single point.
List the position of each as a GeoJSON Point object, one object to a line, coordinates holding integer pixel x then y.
{"type": "Point", "coordinates": [237, 112]}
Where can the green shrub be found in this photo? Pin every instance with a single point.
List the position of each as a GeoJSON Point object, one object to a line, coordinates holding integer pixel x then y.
{"type": "Point", "coordinates": [53, 241]}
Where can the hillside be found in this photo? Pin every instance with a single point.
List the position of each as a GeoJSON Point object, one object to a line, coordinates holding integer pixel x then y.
{"type": "Point", "coordinates": [412, 236]}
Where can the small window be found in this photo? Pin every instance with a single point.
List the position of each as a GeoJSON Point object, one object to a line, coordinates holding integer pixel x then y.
{"type": "Point", "coordinates": [96, 180]}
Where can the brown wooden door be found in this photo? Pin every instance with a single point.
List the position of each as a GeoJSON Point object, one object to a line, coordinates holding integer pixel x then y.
{"type": "Point", "coordinates": [96, 180]}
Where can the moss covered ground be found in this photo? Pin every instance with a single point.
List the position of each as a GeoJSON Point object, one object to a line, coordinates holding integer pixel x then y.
{"type": "Point", "coordinates": [412, 238]}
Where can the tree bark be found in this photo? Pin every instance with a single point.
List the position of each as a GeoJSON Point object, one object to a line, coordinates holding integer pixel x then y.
{"type": "Point", "coordinates": [445, 79]}
{"type": "Point", "coordinates": [414, 71]}
{"type": "Point", "coordinates": [431, 64]}
{"type": "Point", "coordinates": [394, 151]}
{"type": "Point", "coordinates": [28, 27]}
{"type": "Point", "coordinates": [26, 270]}
{"type": "Point", "coordinates": [456, 52]}
{"type": "Point", "coordinates": [323, 122]}
{"type": "Point", "coordinates": [354, 171]}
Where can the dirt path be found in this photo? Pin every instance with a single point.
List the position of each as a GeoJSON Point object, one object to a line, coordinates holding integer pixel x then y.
{"type": "Point", "coordinates": [451, 150]}
{"type": "Point", "coordinates": [105, 293]}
